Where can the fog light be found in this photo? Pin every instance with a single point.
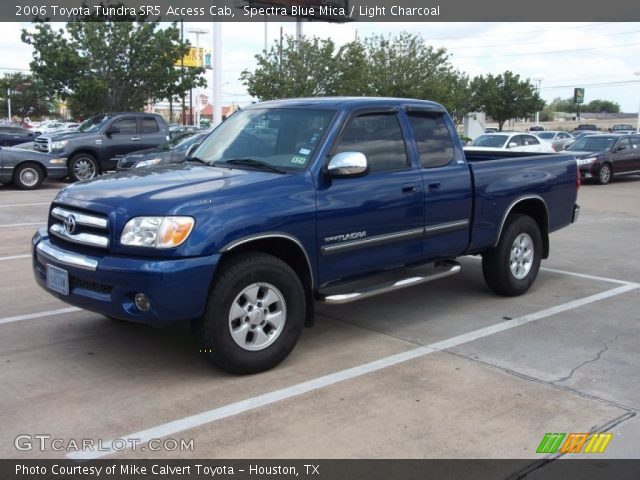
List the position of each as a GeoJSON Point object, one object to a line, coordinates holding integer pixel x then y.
{"type": "Point", "coordinates": [142, 302]}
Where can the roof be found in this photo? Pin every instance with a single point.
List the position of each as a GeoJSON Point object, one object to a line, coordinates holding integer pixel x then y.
{"type": "Point", "coordinates": [349, 102]}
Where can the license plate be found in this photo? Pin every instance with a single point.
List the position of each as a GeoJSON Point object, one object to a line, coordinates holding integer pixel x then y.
{"type": "Point", "coordinates": [57, 279]}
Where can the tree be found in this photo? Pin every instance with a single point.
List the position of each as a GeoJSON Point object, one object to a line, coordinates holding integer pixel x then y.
{"type": "Point", "coordinates": [505, 96]}
{"type": "Point", "coordinates": [29, 96]}
{"type": "Point", "coordinates": [601, 106]}
{"type": "Point", "coordinates": [109, 63]}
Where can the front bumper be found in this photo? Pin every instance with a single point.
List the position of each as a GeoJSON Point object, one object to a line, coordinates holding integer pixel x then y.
{"type": "Point", "coordinates": [107, 284]}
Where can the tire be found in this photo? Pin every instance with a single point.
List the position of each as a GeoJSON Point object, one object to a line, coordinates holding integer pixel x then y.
{"type": "Point", "coordinates": [512, 266]}
{"type": "Point", "coordinates": [28, 176]}
{"type": "Point", "coordinates": [606, 174]}
{"type": "Point", "coordinates": [254, 315]}
{"type": "Point", "coordinates": [83, 166]}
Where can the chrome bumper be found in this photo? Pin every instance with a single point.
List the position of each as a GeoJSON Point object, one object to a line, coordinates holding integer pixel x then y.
{"type": "Point", "coordinates": [64, 257]}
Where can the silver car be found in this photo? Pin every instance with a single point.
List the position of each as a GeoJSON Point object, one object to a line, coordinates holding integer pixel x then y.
{"type": "Point", "coordinates": [557, 138]}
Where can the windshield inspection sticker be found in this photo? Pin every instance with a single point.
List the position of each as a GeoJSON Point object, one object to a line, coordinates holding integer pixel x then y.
{"type": "Point", "coordinates": [304, 151]}
{"type": "Point", "coordinates": [299, 160]}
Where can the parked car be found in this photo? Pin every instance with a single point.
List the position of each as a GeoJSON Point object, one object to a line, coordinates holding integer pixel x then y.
{"type": "Point", "coordinates": [557, 138]}
{"type": "Point", "coordinates": [245, 236]}
{"type": "Point", "coordinates": [536, 128]}
{"type": "Point", "coordinates": [515, 142]}
{"type": "Point", "coordinates": [586, 126]}
{"type": "Point", "coordinates": [13, 135]}
{"type": "Point", "coordinates": [27, 169]}
{"type": "Point", "coordinates": [173, 151]}
{"type": "Point", "coordinates": [490, 130]}
{"type": "Point", "coordinates": [622, 127]}
{"type": "Point", "coordinates": [601, 157]}
{"type": "Point", "coordinates": [95, 145]}
{"type": "Point", "coordinates": [177, 130]}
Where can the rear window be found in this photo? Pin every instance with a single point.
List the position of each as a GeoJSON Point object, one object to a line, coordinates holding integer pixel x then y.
{"type": "Point", "coordinates": [149, 125]}
{"type": "Point", "coordinates": [432, 139]}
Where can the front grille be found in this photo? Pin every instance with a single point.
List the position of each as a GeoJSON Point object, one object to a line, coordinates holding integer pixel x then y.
{"type": "Point", "coordinates": [41, 144]}
{"type": "Point", "coordinates": [77, 227]}
{"type": "Point", "coordinates": [76, 282]}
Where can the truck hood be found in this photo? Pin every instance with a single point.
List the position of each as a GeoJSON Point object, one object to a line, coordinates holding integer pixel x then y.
{"type": "Point", "coordinates": [158, 189]}
{"type": "Point", "coordinates": [65, 135]}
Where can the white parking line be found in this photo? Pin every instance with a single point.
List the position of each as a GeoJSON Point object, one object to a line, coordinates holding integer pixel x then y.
{"type": "Point", "coordinates": [14, 257]}
{"type": "Point", "coordinates": [42, 224]}
{"type": "Point", "coordinates": [46, 313]}
{"type": "Point", "coordinates": [25, 204]}
{"type": "Point", "coordinates": [252, 403]}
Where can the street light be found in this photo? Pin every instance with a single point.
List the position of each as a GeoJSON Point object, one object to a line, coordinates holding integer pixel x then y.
{"type": "Point", "coordinates": [198, 32]}
{"type": "Point", "coordinates": [539, 81]}
{"type": "Point", "coordinates": [638, 123]}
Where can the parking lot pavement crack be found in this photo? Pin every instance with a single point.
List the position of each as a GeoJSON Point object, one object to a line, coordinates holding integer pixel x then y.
{"type": "Point", "coordinates": [597, 357]}
{"type": "Point", "coordinates": [627, 408]}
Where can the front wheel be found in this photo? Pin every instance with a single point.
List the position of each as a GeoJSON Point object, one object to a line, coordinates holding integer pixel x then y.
{"type": "Point", "coordinates": [605, 175]}
{"type": "Point", "coordinates": [254, 315]}
{"type": "Point", "coordinates": [82, 166]}
{"type": "Point", "coordinates": [512, 266]}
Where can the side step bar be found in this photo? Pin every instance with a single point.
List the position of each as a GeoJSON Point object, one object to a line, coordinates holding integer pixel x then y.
{"type": "Point", "coordinates": [384, 284]}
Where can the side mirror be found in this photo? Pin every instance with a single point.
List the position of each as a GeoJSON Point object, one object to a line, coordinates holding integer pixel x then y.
{"type": "Point", "coordinates": [348, 164]}
{"type": "Point", "coordinates": [190, 150]}
{"type": "Point", "coordinates": [112, 130]}
{"type": "Point", "coordinates": [512, 144]}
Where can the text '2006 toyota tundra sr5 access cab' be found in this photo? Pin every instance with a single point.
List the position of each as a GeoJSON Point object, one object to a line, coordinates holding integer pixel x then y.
{"type": "Point", "coordinates": [295, 201]}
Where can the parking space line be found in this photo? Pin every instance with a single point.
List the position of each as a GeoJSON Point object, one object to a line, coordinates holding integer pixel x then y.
{"type": "Point", "coordinates": [263, 400]}
{"type": "Point", "coordinates": [46, 313]}
{"type": "Point", "coordinates": [42, 224]}
{"type": "Point", "coordinates": [25, 204]}
{"type": "Point", "coordinates": [14, 257]}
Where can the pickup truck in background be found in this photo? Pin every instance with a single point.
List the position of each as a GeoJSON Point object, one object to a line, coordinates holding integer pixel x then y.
{"type": "Point", "coordinates": [344, 198]}
{"type": "Point", "coordinates": [96, 145]}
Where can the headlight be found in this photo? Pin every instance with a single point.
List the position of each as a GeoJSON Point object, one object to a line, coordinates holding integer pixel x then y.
{"type": "Point", "coordinates": [156, 232]}
{"type": "Point", "coordinates": [147, 163]}
{"type": "Point", "coordinates": [59, 145]}
{"type": "Point", "coordinates": [586, 161]}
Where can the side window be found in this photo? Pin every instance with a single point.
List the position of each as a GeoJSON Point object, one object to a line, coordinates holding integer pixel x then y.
{"type": "Point", "coordinates": [126, 126]}
{"type": "Point", "coordinates": [149, 125]}
{"type": "Point", "coordinates": [517, 140]}
{"type": "Point", "coordinates": [380, 138]}
{"type": "Point", "coordinates": [623, 144]}
{"type": "Point", "coordinates": [635, 142]}
{"type": "Point", "coordinates": [531, 140]}
{"type": "Point", "coordinates": [432, 139]}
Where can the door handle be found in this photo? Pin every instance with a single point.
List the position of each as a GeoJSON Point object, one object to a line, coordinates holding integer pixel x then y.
{"type": "Point", "coordinates": [135, 139]}
{"type": "Point", "coordinates": [408, 188]}
{"type": "Point", "coordinates": [434, 186]}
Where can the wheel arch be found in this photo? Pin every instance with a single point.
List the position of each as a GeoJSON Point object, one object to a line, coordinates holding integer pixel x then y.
{"type": "Point", "coordinates": [35, 163]}
{"type": "Point", "coordinates": [86, 150]}
{"type": "Point", "coordinates": [535, 207]}
{"type": "Point", "coordinates": [285, 247]}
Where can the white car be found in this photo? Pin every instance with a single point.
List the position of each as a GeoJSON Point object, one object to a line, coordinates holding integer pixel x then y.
{"type": "Point", "coordinates": [557, 138]}
{"type": "Point", "coordinates": [512, 141]}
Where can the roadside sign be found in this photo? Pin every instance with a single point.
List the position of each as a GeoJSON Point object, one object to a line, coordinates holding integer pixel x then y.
{"type": "Point", "coordinates": [578, 95]}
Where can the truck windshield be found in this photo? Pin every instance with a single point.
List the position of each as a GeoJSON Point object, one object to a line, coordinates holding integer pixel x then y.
{"type": "Point", "coordinates": [93, 124]}
{"type": "Point", "coordinates": [494, 141]}
{"type": "Point", "coordinates": [592, 143]}
{"type": "Point", "coordinates": [285, 138]}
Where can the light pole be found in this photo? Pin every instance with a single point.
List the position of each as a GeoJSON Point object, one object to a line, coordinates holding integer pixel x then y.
{"type": "Point", "coordinates": [198, 32]}
{"type": "Point", "coordinates": [217, 73]}
{"type": "Point", "coordinates": [638, 124]}
{"type": "Point", "coordinates": [538, 80]}
{"type": "Point", "coordinates": [9, 103]}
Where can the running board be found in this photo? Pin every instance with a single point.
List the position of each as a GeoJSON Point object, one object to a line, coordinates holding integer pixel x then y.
{"type": "Point", "coordinates": [387, 283]}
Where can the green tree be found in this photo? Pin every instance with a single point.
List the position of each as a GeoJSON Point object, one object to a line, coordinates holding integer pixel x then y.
{"type": "Point", "coordinates": [103, 63]}
{"type": "Point", "coordinates": [29, 96]}
{"type": "Point", "coordinates": [505, 96]}
{"type": "Point", "coordinates": [601, 106]}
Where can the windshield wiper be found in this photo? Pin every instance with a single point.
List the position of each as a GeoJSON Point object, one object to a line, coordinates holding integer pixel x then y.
{"type": "Point", "coordinates": [196, 160]}
{"type": "Point", "coordinates": [250, 162]}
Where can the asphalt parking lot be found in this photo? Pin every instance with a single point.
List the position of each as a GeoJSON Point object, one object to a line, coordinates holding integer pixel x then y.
{"type": "Point", "coordinates": [442, 370]}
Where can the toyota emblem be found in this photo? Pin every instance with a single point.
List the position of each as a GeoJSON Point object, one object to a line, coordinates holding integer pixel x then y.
{"type": "Point", "coordinates": [70, 224]}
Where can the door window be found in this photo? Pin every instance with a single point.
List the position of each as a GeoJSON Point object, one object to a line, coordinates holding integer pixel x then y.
{"type": "Point", "coordinates": [380, 138]}
{"type": "Point", "coordinates": [149, 125]}
{"type": "Point", "coordinates": [126, 126]}
{"type": "Point", "coordinates": [432, 139]}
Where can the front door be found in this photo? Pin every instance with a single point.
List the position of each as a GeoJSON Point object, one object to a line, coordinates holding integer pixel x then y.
{"type": "Point", "coordinates": [374, 222]}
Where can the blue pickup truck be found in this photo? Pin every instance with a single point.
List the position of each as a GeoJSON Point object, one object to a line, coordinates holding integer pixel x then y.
{"type": "Point", "coordinates": [291, 202]}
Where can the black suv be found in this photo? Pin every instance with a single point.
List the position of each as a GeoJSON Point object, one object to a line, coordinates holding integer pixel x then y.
{"type": "Point", "coordinates": [98, 142]}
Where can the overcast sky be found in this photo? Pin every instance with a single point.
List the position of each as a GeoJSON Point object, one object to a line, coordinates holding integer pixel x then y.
{"type": "Point", "coordinates": [601, 57]}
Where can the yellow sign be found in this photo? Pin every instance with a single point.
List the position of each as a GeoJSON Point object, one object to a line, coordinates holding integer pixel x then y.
{"type": "Point", "coordinates": [191, 59]}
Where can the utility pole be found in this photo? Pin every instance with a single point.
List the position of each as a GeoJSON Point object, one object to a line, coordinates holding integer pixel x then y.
{"type": "Point", "coordinates": [9, 102]}
{"type": "Point", "coordinates": [539, 82]}
{"type": "Point", "coordinates": [217, 73]}
{"type": "Point", "coordinates": [638, 124]}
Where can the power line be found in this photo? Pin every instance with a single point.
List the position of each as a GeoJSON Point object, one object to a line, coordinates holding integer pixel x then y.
{"type": "Point", "coordinates": [622, 82]}
{"type": "Point", "coordinates": [549, 52]}
{"type": "Point", "coordinates": [518, 33]}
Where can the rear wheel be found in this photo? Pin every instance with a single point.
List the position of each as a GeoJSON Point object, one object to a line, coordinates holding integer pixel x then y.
{"type": "Point", "coordinates": [254, 315]}
{"type": "Point", "coordinates": [605, 175]}
{"type": "Point", "coordinates": [28, 176]}
{"type": "Point", "coordinates": [83, 166]}
{"type": "Point", "coordinates": [512, 266]}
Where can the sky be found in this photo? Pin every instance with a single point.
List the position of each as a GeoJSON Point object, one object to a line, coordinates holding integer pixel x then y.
{"type": "Point", "coordinates": [601, 57]}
